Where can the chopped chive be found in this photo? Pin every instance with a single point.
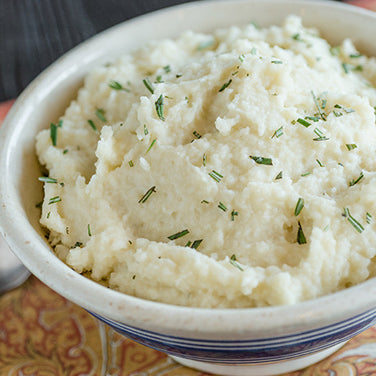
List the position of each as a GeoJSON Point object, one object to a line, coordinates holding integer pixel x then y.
{"type": "Point", "coordinates": [319, 162]}
{"type": "Point", "coordinates": [337, 114]}
{"type": "Point", "coordinates": [299, 206]}
{"type": "Point", "coordinates": [196, 134]}
{"type": "Point", "coordinates": [304, 122]}
{"type": "Point", "coordinates": [167, 69]}
{"type": "Point", "coordinates": [117, 86]}
{"type": "Point", "coordinates": [355, 56]}
{"type": "Point", "coordinates": [233, 214]}
{"type": "Point", "coordinates": [151, 145]}
{"type": "Point", "coordinates": [196, 243]}
{"type": "Point", "coordinates": [53, 200]}
{"type": "Point", "coordinates": [91, 123]}
{"type": "Point", "coordinates": [353, 182]}
{"type": "Point", "coordinates": [351, 146]}
{"type": "Point", "coordinates": [326, 228]}
{"type": "Point", "coordinates": [146, 132]}
{"type": "Point", "coordinates": [130, 163]}
{"type": "Point", "coordinates": [357, 226]}
{"type": "Point", "coordinates": [279, 176]}
{"type": "Point", "coordinates": [100, 112]}
{"type": "Point", "coordinates": [147, 195]}
{"type": "Point", "coordinates": [335, 50]}
{"type": "Point", "coordinates": [205, 45]}
{"type": "Point", "coordinates": [297, 37]}
{"type": "Point", "coordinates": [178, 235]}
{"type": "Point", "coordinates": [319, 109]}
{"type": "Point", "coordinates": [323, 138]}
{"type": "Point", "coordinates": [204, 202]}
{"type": "Point", "coordinates": [188, 243]}
{"type": "Point", "coordinates": [65, 151]}
{"type": "Point", "coordinates": [178, 75]}
{"type": "Point", "coordinates": [53, 133]}
{"type": "Point", "coordinates": [276, 62]}
{"type": "Point", "coordinates": [46, 179]}
{"type": "Point", "coordinates": [48, 215]}
{"type": "Point", "coordinates": [224, 86]}
{"type": "Point", "coordinates": [368, 218]}
{"type": "Point", "coordinates": [216, 176]}
{"type": "Point", "coordinates": [319, 132]}
{"type": "Point", "coordinates": [204, 159]}
{"type": "Point", "coordinates": [148, 85]}
{"type": "Point", "coordinates": [301, 239]}
{"type": "Point", "coordinates": [346, 67]}
{"type": "Point", "coordinates": [313, 118]}
{"type": "Point", "coordinates": [278, 132]}
{"type": "Point", "coordinates": [262, 160]}
{"type": "Point", "coordinates": [159, 107]}
{"type": "Point", "coordinates": [358, 68]}
{"type": "Point", "coordinates": [306, 173]}
{"type": "Point", "coordinates": [241, 58]}
{"type": "Point", "coordinates": [187, 99]}
{"type": "Point", "coordinates": [158, 80]}
{"type": "Point", "coordinates": [88, 229]}
{"type": "Point", "coordinates": [323, 104]}
{"type": "Point", "coordinates": [235, 263]}
{"type": "Point", "coordinates": [222, 206]}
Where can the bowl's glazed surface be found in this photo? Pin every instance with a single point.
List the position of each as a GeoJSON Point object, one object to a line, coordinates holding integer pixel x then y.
{"type": "Point", "coordinates": [249, 341]}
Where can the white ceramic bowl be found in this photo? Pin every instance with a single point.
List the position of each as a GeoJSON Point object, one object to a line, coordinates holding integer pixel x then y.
{"type": "Point", "coordinates": [256, 341]}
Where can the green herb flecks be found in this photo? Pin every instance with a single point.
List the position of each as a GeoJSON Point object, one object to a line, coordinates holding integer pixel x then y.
{"type": "Point", "coordinates": [351, 146]}
{"type": "Point", "coordinates": [301, 239]}
{"type": "Point", "coordinates": [146, 132]}
{"type": "Point", "coordinates": [279, 176]}
{"type": "Point", "coordinates": [320, 134]}
{"type": "Point", "coordinates": [278, 132]}
{"type": "Point", "coordinates": [319, 163]}
{"type": "Point", "coordinates": [235, 263]}
{"type": "Point", "coordinates": [346, 67]}
{"type": "Point", "coordinates": [130, 163]}
{"type": "Point", "coordinates": [92, 125]}
{"type": "Point", "coordinates": [241, 58]}
{"type": "Point", "coordinates": [54, 200]}
{"type": "Point", "coordinates": [262, 160]}
{"type": "Point", "coordinates": [178, 234]}
{"type": "Point", "coordinates": [117, 86]}
{"type": "Point", "coordinates": [306, 174]}
{"type": "Point", "coordinates": [234, 214]}
{"type": "Point", "coordinates": [204, 202]}
{"type": "Point", "coordinates": [46, 179]}
{"type": "Point", "coordinates": [355, 56]}
{"type": "Point", "coordinates": [196, 134]}
{"type": "Point", "coordinates": [357, 226]}
{"type": "Point", "coordinates": [225, 85]}
{"type": "Point", "coordinates": [53, 133]}
{"type": "Point", "coordinates": [204, 159]}
{"type": "Point", "coordinates": [148, 85]}
{"type": "Point", "coordinates": [355, 181]}
{"type": "Point", "coordinates": [100, 113]}
{"type": "Point", "coordinates": [299, 206]}
{"type": "Point", "coordinates": [196, 243]}
{"type": "Point", "coordinates": [368, 218]}
{"type": "Point", "coordinates": [222, 206]}
{"type": "Point", "coordinates": [319, 109]}
{"type": "Point", "coordinates": [159, 107]}
{"type": "Point", "coordinates": [277, 62]}
{"type": "Point", "coordinates": [89, 229]}
{"type": "Point", "coordinates": [335, 51]}
{"type": "Point", "coordinates": [216, 176]}
{"type": "Point", "coordinates": [312, 118]}
{"type": "Point", "coordinates": [167, 69]}
{"type": "Point", "coordinates": [151, 145]}
{"type": "Point", "coordinates": [147, 195]}
{"type": "Point", "coordinates": [304, 122]}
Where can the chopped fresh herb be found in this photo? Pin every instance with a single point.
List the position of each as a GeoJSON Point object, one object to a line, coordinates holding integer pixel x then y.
{"type": "Point", "coordinates": [178, 75]}
{"type": "Point", "coordinates": [323, 104]}
{"type": "Point", "coordinates": [320, 164]}
{"type": "Point", "coordinates": [148, 85]}
{"type": "Point", "coordinates": [299, 206]}
{"type": "Point", "coordinates": [358, 68]}
{"type": "Point", "coordinates": [337, 114]}
{"type": "Point", "coordinates": [313, 118]}
{"type": "Point", "coordinates": [147, 195]}
{"type": "Point", "coordinates": [196, 134]}
{"type": "Point", "coordinates": [335, 51]}
{"type": "Point", "coordinates": [326, 228]}
{"type": "Point", "coordinates": [276, 62]}
{"type": "Point", "coordinates": [297, 37]}
{"type": "Point", "coordinates": [48, 215]}
{"type": "Point", "coordinates": [196, 243]}
{"type": "Point", "coordinates": [46, 179]}
{"type": "Point", "coordinates": [187, 99]}
{"type": "Point", "coordinates": [61, 184]}
{"type": "Point", "coordinates": [253, 51]}
{"type": "Point", "coordinates": [204, 202]}
{"type": "Point", "coordinates": [323, 138]}
{"type": "Point", "coordinates": [117, 86]}
{"type": "Point", "coordinates": [278, 132]}
{"type": "Point", "coordinates": [301, 239]}
{"type": "Point", "coordinates": [204, 159]}
{"type": "Point", "coordinates": [241, 58]}
{"type": "Point", "coordinates": [159, 107]}
{"type": "Point", "coordinates": [319, 109]}
{"type": "Point", "coordinates": [368, 218]}
{"type": "Point", "coordinates": [100, 112]}
{"type": "Point", "coordinates": [130, 163]}
{"type": "Point", "coordinates": [235, 263]}
{"type": "Point", "coordinates": [167, 69]}
{"type": "Point", "coordinates": [205, 45]}
{"type": "Point", "coordinates": [351, 146]}
{"type": "Point", "coordinates": [88, 229]}
{"type": "Point", "coordinates": [224, 86]}
{"type": "Point", "coordinates": [304, 122]}
{"type": "Point", "coordinates": [320, 135]}
{"type": "Point", "coordinates": [216, 176]}
{"type": "Point", "coordinates": [262, 160]}
{"type": "Point", "coordinates": [65, 151]}
{"type": "Point", "coordinates": [146, 132]}
{"type": "Point", "coordinates": [357, 226]}
{"type": "Point", "coordinates": [151, 145]}
{"type": "Point", "coordinates": [78, 244]}
{"type": "Point", "coordinates": [188, 243]}
{"type": "Point", "coordinates": [306, 173]}
{"type": "Point", "coordinates": [346, 67]}
{"type": "Point", "coordinates": [178, 235]}
{"type": "Point", "coordinates": [53, 200]}
{"type": "Point", "coordinates": [134, 276]}
{"type": "Point", "coordinates": [39, 204]}
{"type": "Point", "coordinates": [53, 133]}
{"type": "Point", "coordinates": [158, 80]}
{"type": "Point", "coordinates": [222, 206]}
{"type": "Point", "coordinates": [355, 181]}
{"type": "Point", "coordinates": [355, 56]}
{"type": "Point", "coordinates": [279, 176]}
{"type": "Point", "coordinates": [91, 123]}
{"type": "Point", "coordinates": [233, 214]}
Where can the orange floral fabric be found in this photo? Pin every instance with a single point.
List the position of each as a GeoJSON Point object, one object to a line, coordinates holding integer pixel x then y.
{"type": "Point", "coordinates": [43, 334]}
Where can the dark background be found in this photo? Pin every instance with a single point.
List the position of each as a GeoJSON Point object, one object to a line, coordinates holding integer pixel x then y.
{"type": "Point", "coordinates": [34, 33]}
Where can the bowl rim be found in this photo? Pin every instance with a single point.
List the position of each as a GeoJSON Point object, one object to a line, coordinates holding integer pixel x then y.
{"type": "Point", "coordinates": [137, 311]}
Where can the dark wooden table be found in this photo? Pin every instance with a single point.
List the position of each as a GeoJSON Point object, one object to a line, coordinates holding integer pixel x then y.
{"type": "Point", "coordinates": [34, 33]}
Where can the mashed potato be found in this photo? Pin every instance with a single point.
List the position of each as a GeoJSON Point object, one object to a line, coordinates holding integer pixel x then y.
{"type": "Point", "coordinates": [227, 170]}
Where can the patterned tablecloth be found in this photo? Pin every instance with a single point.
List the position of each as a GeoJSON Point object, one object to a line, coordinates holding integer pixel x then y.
{"type": "Point", "coordinates": [43, 334]}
